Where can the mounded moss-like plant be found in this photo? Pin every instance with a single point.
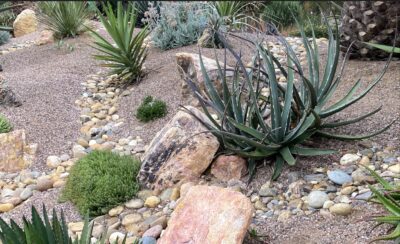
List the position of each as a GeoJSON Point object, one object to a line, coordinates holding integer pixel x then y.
{"type": "Point", "coordinates": [151, 109]}
{"type": "Point", "coordinates": [100, 181]}
{"type": "Point", "coordinates": [5, 125]}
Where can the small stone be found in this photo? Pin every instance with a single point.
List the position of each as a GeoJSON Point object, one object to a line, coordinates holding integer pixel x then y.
{"type": "Point", "coordinates": [349, 159]}
{"type": "Point", "coordinates": [328, 204]}
{"type": "Point", "coordinates": [97, 231]}
{"type": "Point", "coordinates": [115, 211]}
{"type": "Point", "coordinates": [144, 194]}
{"type": "Point", "coordinates": [5, 207]}
{"type": "Point", "coordinates": [364, 161]}
{"type": "Point", "coordinates": [76, 226]}
{"type": "Point", "coordinates": [175, 194]}
{"type": "Point", "coordinates": [266, 191]}
{"type": "Point", "coordinates": [26, 193]}
{"type": "Point", "coordinates": [341, 209]}
{"type": "Point", "coordinates": [166, 194]}
{"type": "Point", "coordinates": [116, 237]}
{"type": "Point", "coordinates": [364, 196]}
{"type": "Point", "coordinates": [59, 183]}
{"type": "Point", "coordinates": [160, 221]}
{"type": "Point", "coordinates": [284, 216]}
{"type": "Point", "coordinates": [348, 190]}
{"type": "Point", "coordinates": [53, 161]}
{"type": "Point", "coordinates": [78, 151]}
{"type": "Point", "coordinates": [152, 202]}
{"type": "Point", "coordinates": [316, 199]}
{"type": "Point", "coordinates": [134, 203]}
{"type": "Point", "coordinates": [359, 176]}
{"type": "Point", "coordinates": [148, 240]}
{"type": "Point", "coordinates": [154, 231]}
{"type": "Point", "coordinates": [260, 206]}
{"type": "Point", "coordinates": [339, 177]}
{"type": "Point", "coordinates": [44, 183]}
{"type": "Point", "coordinates": [131, 219]}
{"type": "Point", "coordinates": [314, 177]}
{"type": "Point", "coordinates": [395, 168]}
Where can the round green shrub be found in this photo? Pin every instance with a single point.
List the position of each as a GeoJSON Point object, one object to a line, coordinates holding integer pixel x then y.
{"type": "Point", "coordinates": [100, 181]}
{"type": "Point", "coordinates": [5, 125]}
{"type": "Point", "coordinates": [151, 109]}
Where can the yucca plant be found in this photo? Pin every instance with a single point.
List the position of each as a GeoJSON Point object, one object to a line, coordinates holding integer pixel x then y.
{"type": "Point", "coordinates": [389, 197]}
{"type": "Point", "coordinates": [5, 125]}
{"type": "Point", "coordinates": [64, 18]}
{"type": "Point", "coordinates": [46, 231]}
{"type": "Point", "coordinates": [297, 111]}
{"type": "Point", "coordinates": [127, 55]}
{"type": "Point", "coordinates": [385, 48]}
{"type": "Point", "coordinates": [234, 13]}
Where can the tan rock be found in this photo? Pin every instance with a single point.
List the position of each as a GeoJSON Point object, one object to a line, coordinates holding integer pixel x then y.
{"type": "Point", "coordinates": [175, 194]}
{"type": "Point", "coordinates": [5, 207]}
{"type": "Point", "coordinates": [341, 209]}
{"type": "Point", "coordinates": [229, 167]}
{"type": "Point", "coordinates": [209, 214]}
{"type": "Point", "coordinates": [25, 23]}
{"type": "Point", "coordinates": [76, 226]}
{"type": "Point", "coordinates": [15, 154]}
{"type": "Point", "coordinates": [131, 219]}
{"type": "Point", "coordinates": [44, 183]}
{"type": "Point", "coordinates": [46, 37]}
{"type": "Point", "coordinates": [152, 202]}
{"type": "Point", "coordinates": [115, 211]}
{"type": "Point", "coordinates": [179, 153]}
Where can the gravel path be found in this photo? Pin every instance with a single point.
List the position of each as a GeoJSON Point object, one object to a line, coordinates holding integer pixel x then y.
{"type": "Point", "coordinates": [47, 81]}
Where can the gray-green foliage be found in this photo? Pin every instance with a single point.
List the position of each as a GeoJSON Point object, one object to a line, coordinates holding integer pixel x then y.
{"type": "Point", "coordinates": [5, 125]}
{"type": "Point", "coordinates": [178, 24]}
{"type": "Point", "coordinates": [100, 181]}
{"type": "Point", "coordinates": [297, 112]}
{"type": "Point", "coordinates": [4, 37]}
{"type": "Point", "coordinates": [65, 18]}
{"type": "Point", "coordinates": [282, 13]}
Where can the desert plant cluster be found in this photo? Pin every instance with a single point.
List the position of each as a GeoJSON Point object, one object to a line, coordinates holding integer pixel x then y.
{"type": "Point", "coordinates": [270, 97]}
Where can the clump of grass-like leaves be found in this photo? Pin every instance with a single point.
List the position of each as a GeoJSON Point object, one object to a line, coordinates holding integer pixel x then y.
{"type": "Point", "coordinates": [297, 111]}
{"type": "Point", "coordinates": [389, 196]}
{"type": "Point", "coordinates": [151, 109]}
{"type": "Point", "coordinates": [127, 55]}
{"type": "Point", "coordinates": [64, 18]}
{"type": "Point", "coordinates": [45, 230]}
{"type": "Point", "coordinates": [5, 125]}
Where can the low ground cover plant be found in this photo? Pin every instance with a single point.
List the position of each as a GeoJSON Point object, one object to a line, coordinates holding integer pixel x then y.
{"type": "Point", "coordinates": [297, 111]}
{"type": "Point", "coordinates": [5, 125]}
{"type": "Point", "coordinates": [101, 180]}
{"type": "Point", "coordinates": [151, 109]}
{"type": "Point", "coordinates": [126, 57]}
{"type": "Point", "coordinates": [64, 18]}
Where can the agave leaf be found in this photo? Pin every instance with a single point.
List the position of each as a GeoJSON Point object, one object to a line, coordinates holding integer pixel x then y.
{"type": "Point", "coordinates": [385, 48]}
{"type": "Point", "coordinates": [387, 203]}
{"type": "Point", "coordinates": [278, 167]}
{"type": "Point", "coordinates": [302, 151]}
{"type": "Point", "coordinates": [395, 234]}
{"type": "Point", "coordinates": [287, 156]}
{"type": "Point", "coordinates": [351, 121]}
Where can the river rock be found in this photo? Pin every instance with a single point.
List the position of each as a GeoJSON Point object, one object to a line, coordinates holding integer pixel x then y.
{"type": "Point", "coordinates": [316, 199]}
{"type": "Point", "coordinates": [209, 214]}
{"type": "Point", "coordinates": [180, 152]}
{"type": "Point", "coordinates": [349, 159]}
{"type": "Point", "coordinates": [341, 209]}
{"type": "Point", "coordinates": [339, 177]}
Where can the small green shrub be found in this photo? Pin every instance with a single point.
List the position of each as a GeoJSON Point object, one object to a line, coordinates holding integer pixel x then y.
{"type": "Point", "coordinates": [101, 180]}
{"type": "Point", "coordinates": [320, 30]}
{"type": "Point", "coordinates": [178, 23]}
{"type": "Point", "coordinates": [5, 125]}
{"type": "Point", "coordinates": [65, 18]}
{"type": "Point", "coordinates": [151, 109]}
{"type": "Point", "coordinates": [4, 37]}
{"type": "Point", "coordinates": [282, 13]}
{"type": "Point", "coordinates": [127, 55]}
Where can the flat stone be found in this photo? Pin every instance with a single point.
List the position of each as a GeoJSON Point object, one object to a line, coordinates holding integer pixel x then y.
{"type": "Point", "coordinates": [131, 219]}
{"type": "Point", "coordinates": [53, 161]}
{"type": "Point", "coordinates": [26, 193]}
{"type": "Point", "coordinates": [76, 226]}
{"type": "Point", "coordinates": [230, 167]}
{"type": "Point", "coordinates": [154, 231]}
{"type": "Point", "coordinates": [341, 209]}
{"type": "Point", "coordinates": [134, 203]}
{"type": "Point", "coordinates": [339, 177]}
{"type": "Point", "coordinates": [148, 240]}
{"type": "Point", "coordinates": [44, 183]}
{"type": "Point", "coordinates": [349, 159]}
{"type": "Point", "coordinates": [395, 168]}
{"type": "Point", "coordinates": [115, 211]}
{"type": "Point", "coordinates": [316, 199]}
{"type": "Point", "coordinates": [152, 202]}
{"type": "Point", "coordinates": [204, 213]}
{"type": "Point", "coordinates": [5, 207]}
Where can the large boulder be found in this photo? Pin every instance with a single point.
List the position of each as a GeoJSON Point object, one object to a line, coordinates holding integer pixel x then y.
{"type": "Point", "coordinates": [180, 152]}
{"type": "Point", "coordinates": [209, 214]}
{"type": "Point", "coordinates": [15, 154]}
{"type": "Point", "coordinates": [189, 66]}
{"type": "Point", "coordinates": [25, 23]}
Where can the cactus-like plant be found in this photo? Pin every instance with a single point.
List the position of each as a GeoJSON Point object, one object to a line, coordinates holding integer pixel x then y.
{"type": "Point", "coordinates": [4, 37]}
{"type": "Point", "coordinates": [5, 125]}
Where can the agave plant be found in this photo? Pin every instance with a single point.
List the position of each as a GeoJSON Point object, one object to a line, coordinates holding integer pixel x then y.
{"type": "Point", "coordinates": [127, 55]}
{"type": "Point", "coordinates": [65, 18]}
{"type": "Point", "coordinates": [389, 197]}
{"type": "Point", "coordinates": [46, 231]}
{"type": "Point", "coordinates": [297, 111]}
{"type": "Point", "coordinates": [385, 48]}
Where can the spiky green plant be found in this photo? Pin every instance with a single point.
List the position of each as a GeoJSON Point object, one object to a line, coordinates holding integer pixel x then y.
{"type": "Point", "coordinates": [5, 6]}
{"type": "Point", "coordinates": [5, 125]}
{"type": "Point", "coordinates": [385, 48]}
{"type": "Point", "coordinates": [127, 55]}
{"type": "Point", "coordinates": [297, 111]}
{"type": "Point", "coordinates": [389, 196]}
{"type": "Point", "coordinates": [65, 18]}
{"type": "Point", "coordinates": [4, 37]}
{"type": "Point", "coordinates": [45, 231]}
